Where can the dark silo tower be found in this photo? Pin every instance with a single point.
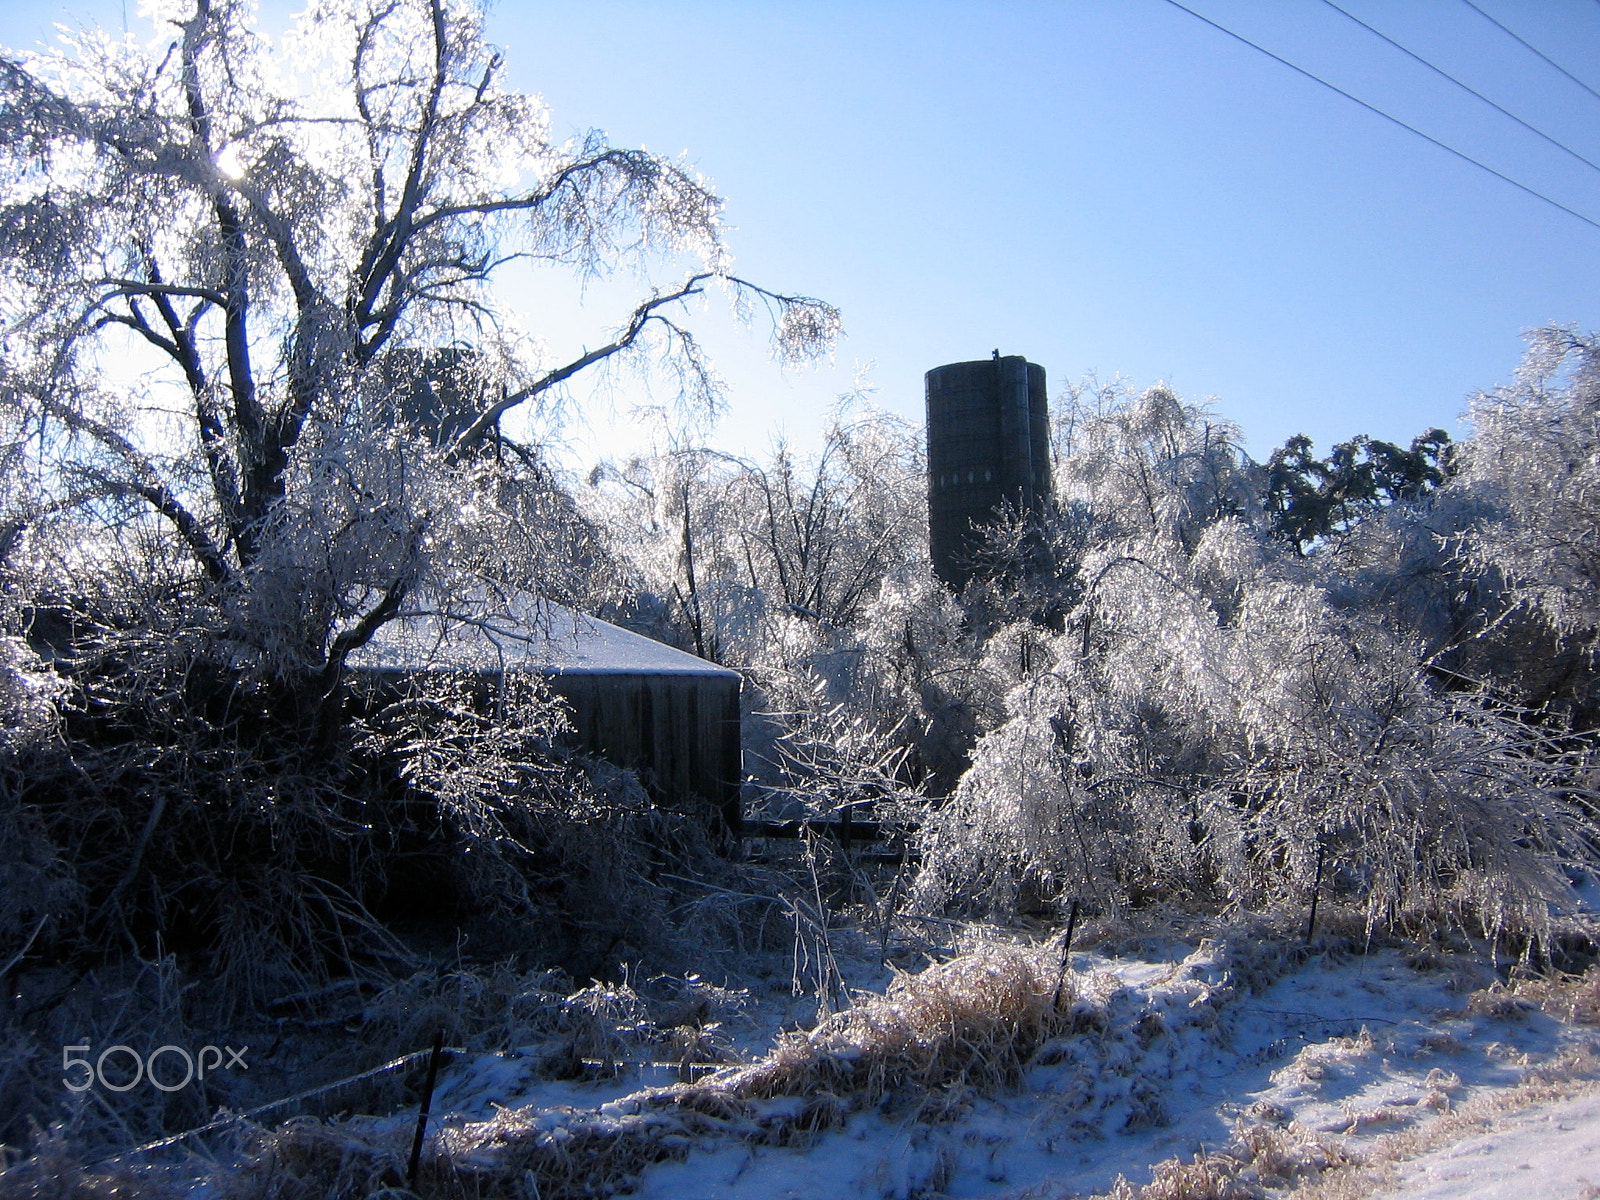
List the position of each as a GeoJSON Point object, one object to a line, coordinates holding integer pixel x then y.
{"type": "Point", "coordinates": [988, 447]}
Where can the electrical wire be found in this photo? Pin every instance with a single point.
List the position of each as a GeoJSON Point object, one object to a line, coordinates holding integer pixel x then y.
{"type": "Point", "coordinates": [1531, 48]}
{"type": "Point", "coordinates": [1372, 108]}
{"type": "Point", "coordinates": [1464, 87]}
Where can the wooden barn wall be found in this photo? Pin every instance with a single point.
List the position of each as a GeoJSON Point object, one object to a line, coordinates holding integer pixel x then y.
{"type": "Point", "coordinates": [680, 732]}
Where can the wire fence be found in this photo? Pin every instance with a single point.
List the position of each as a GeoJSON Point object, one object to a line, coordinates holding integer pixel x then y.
{"type": "Point", "coordinates": [687, 1071]}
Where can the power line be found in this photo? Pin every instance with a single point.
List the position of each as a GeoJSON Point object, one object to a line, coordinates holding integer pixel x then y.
{"type": "Point", "coordinates": [1467, 158]}
{"type": "Point", "coordinates": [1464, 87]}
{"type": "Point", "coordinates": [1531, 48]}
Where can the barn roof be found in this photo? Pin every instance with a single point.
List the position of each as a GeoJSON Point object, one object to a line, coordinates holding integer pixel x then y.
{"type": "Point", "coordinates": [533, 635]}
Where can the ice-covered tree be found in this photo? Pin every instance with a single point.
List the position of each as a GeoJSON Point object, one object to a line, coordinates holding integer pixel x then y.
{"type": "Point", "coordinates": [1223, 713]}
{"type": "Point", "coordinates": [223, 262]}
{"type": "Point", "coordinates": [255, 393]}
{"type": "Point", "coordinates": [1531, 470]}
{"type": "Point", "coordinates": [807, 572]}
{"type": "Point", "coordinates": [724, 538]}
{"type": "Point", "coordinates": [1151, 463]}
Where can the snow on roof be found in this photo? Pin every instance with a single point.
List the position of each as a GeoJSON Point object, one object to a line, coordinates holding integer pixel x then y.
{"type": "Point", "coordinates": [534, 635]}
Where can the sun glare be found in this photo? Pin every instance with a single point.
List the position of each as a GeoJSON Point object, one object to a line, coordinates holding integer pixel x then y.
{"type": "Point", "coordinates": [228, 161]}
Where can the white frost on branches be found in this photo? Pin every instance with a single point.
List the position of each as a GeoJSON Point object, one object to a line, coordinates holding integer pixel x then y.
{"type": "Point", "coordinates": [1218, 711]}
{"type": "Point", "coordinates": [216, 256]}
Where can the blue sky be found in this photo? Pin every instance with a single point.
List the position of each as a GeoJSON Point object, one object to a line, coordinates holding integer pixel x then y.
{"type": "Point", "coordinates": [1106, 187]}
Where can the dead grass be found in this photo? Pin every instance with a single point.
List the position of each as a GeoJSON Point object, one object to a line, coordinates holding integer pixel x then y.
{"type": "Point", "coordinates": [311, 1160]}
{"type": "Point", "coordinates": [928, 1046]}
{"type": "Point", "coordinates": [1258, 1158]}
{"type": "Point", "coordinates": [53, 1172]}
{"type": "Point", "coordinates": [925, 1049]}
{"type": "Point", "coordinates": [1571, 998]}
{"type": "Point", "coordinates": [973, 1022]}
{"type": "Point", "coordinates": [479, 1009]}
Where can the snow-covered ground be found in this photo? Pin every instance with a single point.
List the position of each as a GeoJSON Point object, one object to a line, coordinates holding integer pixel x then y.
{"type": "Point", "coordinates": [1548, 1152]}
{"type": "Point", "coordinates": [1178, 1051]}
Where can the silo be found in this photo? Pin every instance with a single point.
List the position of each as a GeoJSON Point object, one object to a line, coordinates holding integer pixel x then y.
{"type": "Point", "coordinates": [988, 448]}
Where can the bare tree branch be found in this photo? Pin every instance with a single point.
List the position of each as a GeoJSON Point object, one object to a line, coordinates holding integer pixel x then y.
{"type": "Point", "coordinates": [148, 485]}
{"type": "Point", "coordinates": [637, 323]}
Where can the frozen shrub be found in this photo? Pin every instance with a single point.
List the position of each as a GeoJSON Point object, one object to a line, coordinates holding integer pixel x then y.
{"type": "Point", "coordinates": [1222, 720]}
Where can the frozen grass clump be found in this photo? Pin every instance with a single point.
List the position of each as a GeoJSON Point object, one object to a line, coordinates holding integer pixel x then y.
{"type": "Point", "coordinates": [1571, 998]}
{"type": "Point", "coordinates": [1257, 1158]}
{"type": "Point", "coordinates": [486, 1009]}
{"type": "Point", "coordinates": [971, 1023]}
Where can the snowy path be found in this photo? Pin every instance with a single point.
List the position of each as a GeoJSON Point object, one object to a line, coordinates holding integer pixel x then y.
{"type": "Point", "coordinates": [1551, 1152]}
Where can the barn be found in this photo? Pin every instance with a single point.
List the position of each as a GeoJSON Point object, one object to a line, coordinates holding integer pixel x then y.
{"type": "Point", "coordinates": [666, 714]}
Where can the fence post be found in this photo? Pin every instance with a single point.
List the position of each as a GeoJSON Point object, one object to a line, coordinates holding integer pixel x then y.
{"type": "Point", "coordinates": [1316, 892]}
{"type": "Point", "coordinates": [427, 1101]}
{"type": "Point", "coordinates": [1066, 955]}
